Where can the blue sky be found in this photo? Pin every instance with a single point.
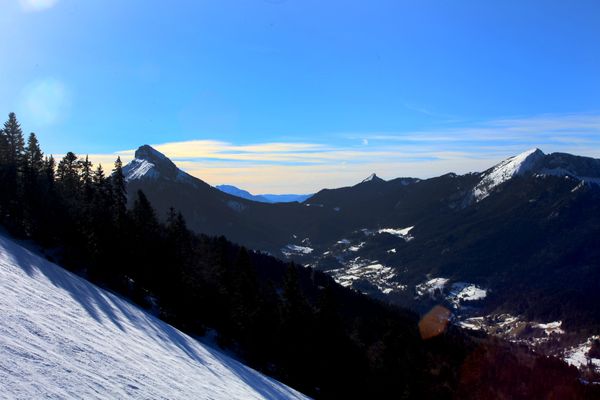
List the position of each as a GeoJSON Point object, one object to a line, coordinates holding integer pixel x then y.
{"type": "Point", "coordinates": [295, 95]}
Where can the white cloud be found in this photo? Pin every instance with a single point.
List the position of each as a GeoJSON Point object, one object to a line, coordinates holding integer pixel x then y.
{"type": "Point", "coordinates": [45, 102]}
{"type": "Point", "coordinates": [303, 167]}
{"type": "Point", "coordinates": [37, 5]}
{"type": "Point", "coordinates": [544, 129]}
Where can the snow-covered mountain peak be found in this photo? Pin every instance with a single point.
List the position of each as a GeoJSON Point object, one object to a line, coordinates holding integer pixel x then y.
{"type": "Point", "coordinates": [525, 160]}
{"type": "Point", "coordinates": [505, 170]}
{"type": "Point", "coordinates": [149, 163]}
{"type": "Point", "coordinates": [372, 178]}
{"type": "Point", "coordinates": [149, 153]}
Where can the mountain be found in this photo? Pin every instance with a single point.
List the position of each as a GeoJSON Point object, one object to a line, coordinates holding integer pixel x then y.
{"type": "Point", "coordinates": [207, 209]}
{"type": "Point", "coordinates": [285, 198]}
{"type": "Point", "coordinates": [517, 231]}
{"type": "Point", "coordinates": [501, 265]}
{"type": "Point", "coordinates": [507, 169]}
{"type": "Point", "coordinates": [244, 194]}
{"type": "Point", "coordinates": [535, 162]}
{"type": "Point", "coordinates": [289, 321]}
{"type": "Point", "coordinates": [510, 250]}
{"type": "Point", "coordinates": [263, 198]}
{"type": "Point", "coordinates": [372, 178]}
{"type": "Point", "coordinates": [150, 164]}
{"type": "Point", "coordinates": [263, 226]}
{"type": "Point", "coordinates": [63, 337]}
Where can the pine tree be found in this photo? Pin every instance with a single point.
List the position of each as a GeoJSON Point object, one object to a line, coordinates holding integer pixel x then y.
{"type": "Point", "coordinates": [3, 148]}
{"type": "Point", "coordinates": [174, 256]}
{"type": "Point", "coordinates": [49, 213]}
{"type": "Point", "coordinates": [49, 169]}
{"type": "Point", "coordinates": [67, 173]}
{"type": "Point", "coordinates": [294, 303]}
{"type": "Point", "coordinates": [177, 231]}
{"type": "Point", "coordinates": [34, 158]}
{"type": "Point", "coordinates": [12, 147]}
{"type": "Point", "coordinates": [68, 168]}
{"type": "Point", "coordinates": [332, 345]}
{"type": "Point", "coordinates": [101, 233]}
{"type": "Point", "coordinates": [144, 216]}
{"type": "Point", "coordinates": [14, 136]}
{"type": "Point", "coordinates": [48, 174]}
{"type": "Point", "coordinates": [102, 195]}
{"type": "Point", "coordinates": [101, 192]}
{"type": "Point", "coordinates": [99, 179]}
{"type": "Point", "coordinates": [119, 192]}
{"type": "Point", "coordinates": [85, 166]}
{"type": "Point", "coordinates": [296, 326]}
{"type": "Point", "coordinates": [244, 301]}
{"type": "Point", "coordinates": [146, 230]}
{"type": "Point", "coordinates": [86, 212]}
{"type": "Point", "coordinates": [32, 192]}
{"type": "Point", "coordinates": [4, 174]}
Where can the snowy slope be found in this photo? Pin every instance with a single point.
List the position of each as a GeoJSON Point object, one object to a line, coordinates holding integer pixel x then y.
{"type": "Point", "coordinates": [139, 169]}
{"type": "Point", "coordinates": [62, 337]}
{"type": "Point", "coordinates": [508, 168]}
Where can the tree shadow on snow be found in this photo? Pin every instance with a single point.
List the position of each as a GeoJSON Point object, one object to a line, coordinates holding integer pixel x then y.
{"type": "Point", "coordinates": [102, 305]}
{"type": "Point", "coordinates": [93, 301]}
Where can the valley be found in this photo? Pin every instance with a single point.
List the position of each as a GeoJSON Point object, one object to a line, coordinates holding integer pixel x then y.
{"type": "Point", "coordinates": [475, 243]}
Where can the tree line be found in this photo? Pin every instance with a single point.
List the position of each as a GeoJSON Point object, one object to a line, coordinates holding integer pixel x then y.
{"type": "Point", "coordinates": [292, 323]}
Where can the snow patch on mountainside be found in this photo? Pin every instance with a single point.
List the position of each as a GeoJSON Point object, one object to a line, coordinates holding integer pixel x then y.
{"type": "Point", "coordinates": [551, 327]}
{"type": "Point", "coordinates": [457, 294]}
{"type": "Point", "coordinates": [431, 287]}
{"type": "Point", "coordinates": [62, 337]}
{"type": "Point", "coordinates": [399, 232]}
{"type": "Point", "coordinates": [360, 271]}
{"type": "Point", "coordinates": [594, 180]}
{"type": "Point", "coordinates": [357, 247]}
{"type": "Point", "coordinates": [138, 169]}
{"type": "Point", "coordinates": [462, 291]}
{"type": "Point", "coordinates": [292, 249]}
{"type": "Point", "coordinates": [579, 357]}
{"type": "Point", "coordinates": [369, 178]}
{"type": "Point", "coordinates": [504, 171]}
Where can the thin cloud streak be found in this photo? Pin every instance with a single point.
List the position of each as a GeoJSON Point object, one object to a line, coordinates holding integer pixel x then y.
{"type": "Point", "coordinates": [280, 167]}
{"type": "Point", "coordinates": [540, 128]}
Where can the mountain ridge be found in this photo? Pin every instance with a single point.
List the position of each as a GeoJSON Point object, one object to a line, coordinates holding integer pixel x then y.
{"type": "Point", "coordinates": [461, 226]}
{"type": "Point", "coordinates": [263, 198]}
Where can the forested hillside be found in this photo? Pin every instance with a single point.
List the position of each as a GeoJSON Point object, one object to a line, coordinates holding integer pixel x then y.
{"type": "Point", "coordinates": [293, 323]}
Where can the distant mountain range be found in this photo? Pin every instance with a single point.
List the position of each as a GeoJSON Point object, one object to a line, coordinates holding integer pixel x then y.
{"type": "Point", "coordinates": [522, 237]}
{"type": "Point", "coordinates": [263, 198]}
